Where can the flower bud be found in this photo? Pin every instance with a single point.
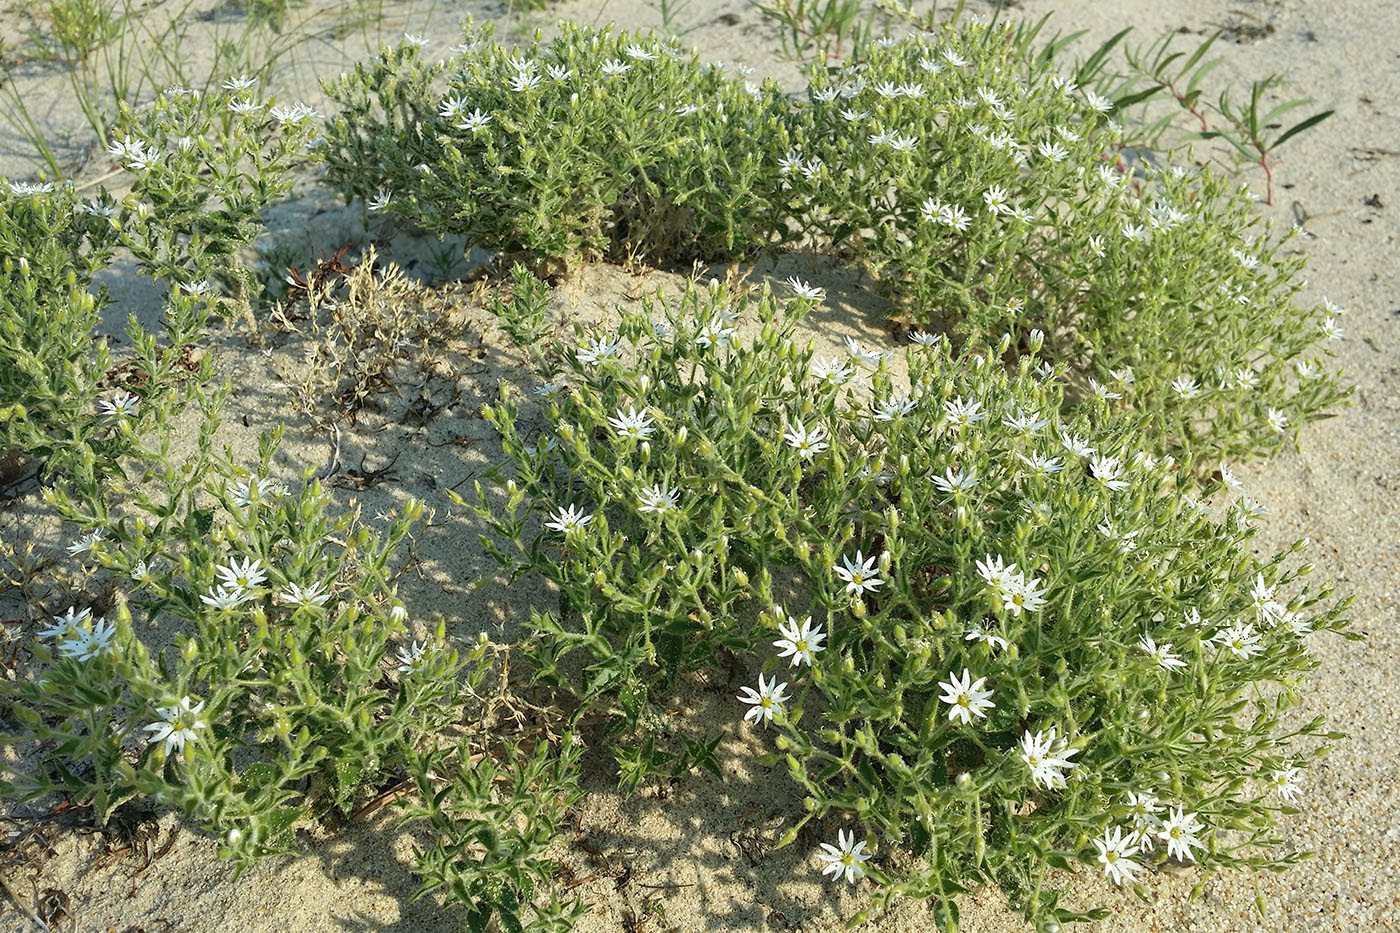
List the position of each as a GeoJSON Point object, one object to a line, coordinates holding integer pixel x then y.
{"type": "Point", "coordinates": [858, 608]}
{"type": "Point", "coordinates": [681, 435]}
{"type": "Point", "coordinates": [885, 561]}
{"type": "Point", "coordinates": [1036, 340]}
{"type": "Point", "coordinates": [803, 551]}
{"type": "Point", "coordinates": [740, 577]}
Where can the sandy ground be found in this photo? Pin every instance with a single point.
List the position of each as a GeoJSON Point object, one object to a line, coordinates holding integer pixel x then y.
{"type": "Point", "coordinates": [699, 858]}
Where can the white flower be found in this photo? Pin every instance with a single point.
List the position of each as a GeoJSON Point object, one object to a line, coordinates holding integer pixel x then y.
{"type": "Point", "coordinates": [239, 105]}
{"type": "Point", "coordinates": [896, 406]}
{"type": "Point", "coordinates": [766, 700]}
{"type": "Point", "coordinates": [1228, 477]}
{"type": "Point", "coordinates": [1142, 809]}
{"type": "Point", "coordinates": [1021, 594]}
{"type": "Point", "coordinates": [1261, 593]}
{"type": "Point", "coordinates": [476, 120]}
{"type": "Point", "coordinates": [1286, 783]}
{"type": "Point", "coordinates": [1277, 420]}
{"type": "Point", "coordinates": [1101, 392]}
{"type": "Point", "coordinates": [26, 188]}
{"type": "Point", "coordinates": [965, 697]}
{"type": "Point", "coordinates": [70, 623]}
{"type": "Point", "coordinates": [612, 68]}
{"type": "Point", "coordinates": [657, 498]}
{"type": "Point", "coordinates": [1024, 424]}
{"type": "Point", "coordinates": [1047, 757]}
{"type": "Point", "coordinates": [800, 642]}
{"type": "Point", "coordinates": [526, 79]}
{"type": "Point", "coordinates": [807, 443]}
{"type": "Point", "coordinates": [1179, 833]}
{"type": "Point", "coordinates": [307, 597]}
{"type": "Point", "coordinates": [1042, 464]}
{"type": "Point", "coordinates": [412, 659]}
{"type": "Point", "coordinates": [240, 83]}
{"type": "Point", "coordinates": [905, 143]}
{"type": "Point", "coordinates": [951, 482]}
{"type": "Point", "coordinates": [558, 72]}
{"type": "Point", "coordinates": [924, 339]}
{"type": "Point", "coordinates": [640, 53]}
{"type": "Point", "coordinates": [379, 201]}
{"type": "Point", "coordinates": [976, 633]}
{"type": "Point", "coordinates": [85, 543]}
{"type": "Point", "coordinates": [452, 107]}
{"type": "Point", "coordinates": [226, 597]}
{"type": "Point", "coordinates": [631, 424]}
{"type": "Point", "coordinates": [1125, 540]}
{"type": "Point", "coordinates": [801, 289]}
{"type": "Point", "coordinates": [1098, 102]}
{"type": "Point", "coordinates": [87, 644]}
{"type": "Point", "coordinates": [1246, 378]}
{"type": "Point", "coordinates": [255, 491]}
{"type": "Point", "coordinates": [791, 163]}
{"type": "Point", "coordinates": [954, 59]}
{"type": "Point", "coordinates": [123, 404]}
{"type": "Point", "coordinates": [1162, 654]}
{"type": "Point", "coordinates": [1240, 639]}
{"type": "Point", "coordinates": [569, 520]}
{"type": "Point", "coordinates": [1107, 471]}
{"type": "Point", "coordinates": [714, 334]}
{"type": "Point", "coordinates": [846, 859]}
{"type": "Point", "coordinates": [1052, 151]}
{"type": "Point", "coordinates": [860, 574]}
{"type": "Point", "coordinates": [601, 348]}
{"type": "Point", "coordinates": [995, 199]}
{"type": "Point", "coordinates": [297, 113]}
{"type": "Point", "coordinates": [995, 571]}
{"type": "Point", "coordinates": [1186, 387]}
{"type": "Point", "coordinates": [963, 412]}
{"type": "Point", "coordinates": [179, 726]}
{"type": "Point", "coordinates": [832, 371]}
{"type": "Point", "coordinates": [862, 355]}
{"type": "Point", "coordinates": [243, 575]}
{"type": "Point", "coordinates": [1116, 855]}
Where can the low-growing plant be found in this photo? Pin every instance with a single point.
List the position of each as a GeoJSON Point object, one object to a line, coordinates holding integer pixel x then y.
{"type": "Point", "coordinates": [596, 144]}
{"type": "Point", "coordinates": [523, 315]}
{"type": "Point", "coordinates": [120, 55]}
{"type": "Point", "coordinates": [986, 191]}
{"type": "Point", "coordinates": [274, 697]}
{"type": "Point", "coordinates": [989, 203]}
{"type": "Point", "coordinates": [201, 172]}
{"type": "Point", "coordinates": [491, 842]}
{"type": "Point", "coordinates": [1003, 640]}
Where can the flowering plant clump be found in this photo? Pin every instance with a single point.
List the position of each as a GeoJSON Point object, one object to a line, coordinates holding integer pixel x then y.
{"type": "Point", "coordinates": [1001, 639]}
{"type": "Point", "coordinates": [989, 193]}
{"type": "Point", "coordinates": [200, 171]}
{"type": "Point", "coordinates": [282, 667]}
{"type": "Point", "coordinates": [596, 144]}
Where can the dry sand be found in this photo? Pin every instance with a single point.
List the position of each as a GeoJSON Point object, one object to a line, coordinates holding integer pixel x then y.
{"type": "Point", "coordinates": [699, 858]}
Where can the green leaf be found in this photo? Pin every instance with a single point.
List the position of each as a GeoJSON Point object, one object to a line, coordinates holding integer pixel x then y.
{"type": "Point", "coordinates": [1297, 128]}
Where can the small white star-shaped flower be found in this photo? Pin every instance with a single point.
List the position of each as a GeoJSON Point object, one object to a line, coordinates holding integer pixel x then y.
{"type": "Point", "coordinates": [965, 697]}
